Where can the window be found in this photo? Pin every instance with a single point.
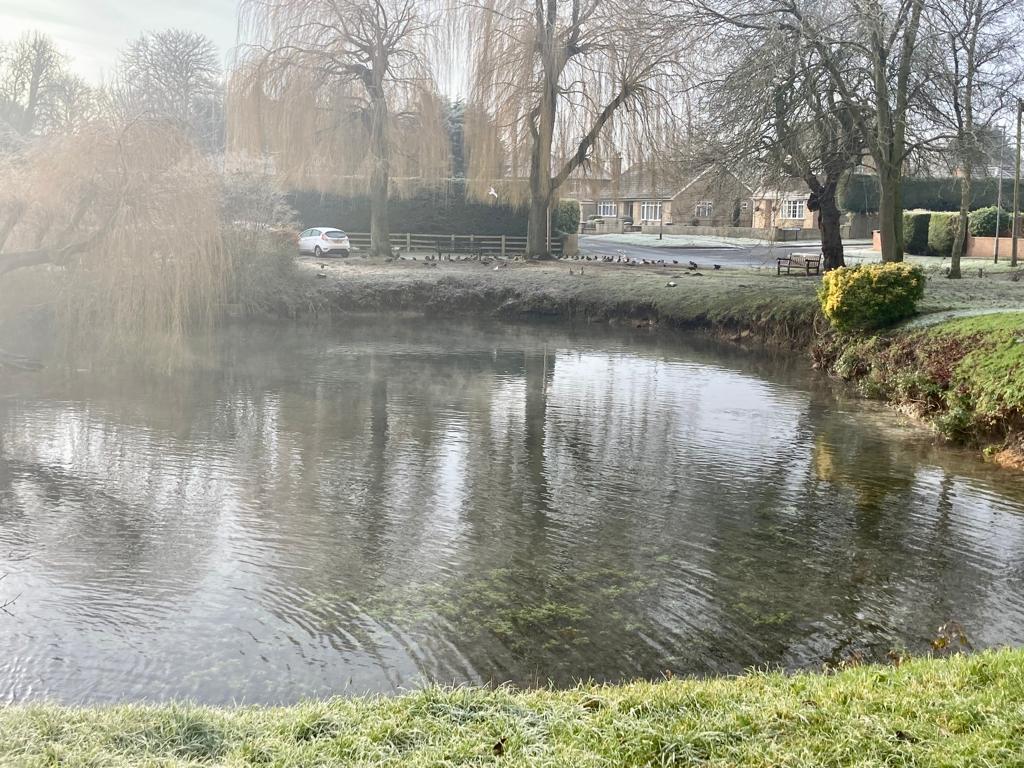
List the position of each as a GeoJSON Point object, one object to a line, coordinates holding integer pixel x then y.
{"type": "Point", "coordinates": [606, 208]}
{"type": "Point", "coordinates": [703, 209]}
{"type": "Point", "coordinates": [794, 208]}
{"type": "Point", "coordinates": [650, 210]}
{"type": "Point", "coordinates": [744, 206]}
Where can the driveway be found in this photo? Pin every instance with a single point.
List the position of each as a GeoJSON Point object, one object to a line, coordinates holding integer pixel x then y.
{"type": "Point", "coordinates": [739, 252]}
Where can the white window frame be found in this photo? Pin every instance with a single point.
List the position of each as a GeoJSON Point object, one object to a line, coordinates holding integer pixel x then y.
{"type": "Point", "coordinates": [650, 210]}
{"type": "Point", "coordinates": [704, 209]}
{"type": "Point", "coordinates": [794, 208]}
{"type": "Point", "coordinates": [607, 209]}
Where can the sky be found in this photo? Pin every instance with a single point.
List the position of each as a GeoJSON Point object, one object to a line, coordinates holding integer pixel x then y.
{"type": "Point", "coordinates": [92, 32]}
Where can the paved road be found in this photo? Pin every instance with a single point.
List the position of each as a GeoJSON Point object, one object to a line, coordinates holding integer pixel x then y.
{"type": "Point", "coordinates": [741, 255]}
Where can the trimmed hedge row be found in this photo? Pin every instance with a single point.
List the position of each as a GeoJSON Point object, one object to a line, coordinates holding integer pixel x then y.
{"type": "Point", "coordinates": [931, 233]}
{"type": "Point", "coordinates": [915, 232]}
{"type": "Point", "coordinates": [941, 233]}
{"type": "Point", "coordinates": [441, 212]}
{"type": "Point", "coordinates": [859, 194]}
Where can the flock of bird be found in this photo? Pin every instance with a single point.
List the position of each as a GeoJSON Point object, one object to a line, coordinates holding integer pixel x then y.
{"type": "Point", "coordinates": [620, 257]}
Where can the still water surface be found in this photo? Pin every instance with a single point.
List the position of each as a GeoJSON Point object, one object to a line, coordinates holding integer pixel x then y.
{"type": "Point", "coordinates": [311, 511]}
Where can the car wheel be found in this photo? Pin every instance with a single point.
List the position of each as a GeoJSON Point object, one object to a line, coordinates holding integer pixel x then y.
{"type": "Point", "coordinates": [317, 252]}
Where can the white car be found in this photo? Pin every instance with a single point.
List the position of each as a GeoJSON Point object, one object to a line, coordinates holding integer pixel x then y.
{"type": "Point", "coordinates": [322, 241]}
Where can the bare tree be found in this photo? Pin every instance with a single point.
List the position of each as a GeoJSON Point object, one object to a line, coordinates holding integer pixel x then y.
{"type": "Point", "coordinates": [868, 50]}
{"type": "Point", "coordinates": [173, 75]}
{"type": "Point", "coordinates": [553, 74]}
{"type": "Point", "coordinates": [340, 92]}
{"type": "Point", "coordinates": [974, 68]}
{"type": "Point", "coordinates": [771, 108]}
{"type": "Point", "coordinates": [36, 92]}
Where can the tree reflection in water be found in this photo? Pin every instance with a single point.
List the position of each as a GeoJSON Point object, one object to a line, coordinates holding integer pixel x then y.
{"type": "Point", "coordinates": [310, 511]}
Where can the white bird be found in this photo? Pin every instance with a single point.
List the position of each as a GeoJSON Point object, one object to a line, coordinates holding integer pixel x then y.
{"type": "Point", "coordinates": [493, 193]}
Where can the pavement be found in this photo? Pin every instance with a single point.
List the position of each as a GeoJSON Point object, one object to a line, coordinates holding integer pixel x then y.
{"type": "Point", "coordinates": [739, 252]}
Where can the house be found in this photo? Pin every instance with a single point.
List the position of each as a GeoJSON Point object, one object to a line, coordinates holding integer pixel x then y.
{"type": "Point", "coordinates": [644, 197]}
{"type": "Point", "coordinates": [783, 209]}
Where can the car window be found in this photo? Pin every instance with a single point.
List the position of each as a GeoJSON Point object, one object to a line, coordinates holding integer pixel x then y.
{"type": "Point", "coordinates": [306, 233]}
{"type": "Point", "coordinates": [334, 234]}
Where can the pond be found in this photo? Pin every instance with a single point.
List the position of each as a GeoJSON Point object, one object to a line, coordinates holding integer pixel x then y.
{"type": "Point", "coordinates": [309, 511]}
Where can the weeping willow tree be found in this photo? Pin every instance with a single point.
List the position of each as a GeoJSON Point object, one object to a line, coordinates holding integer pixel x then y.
{"type": "Point", "coordinates": [340, 94]}
{"type": "Point", "coordinates": [554, 80]}
{"type": "Point", "coordinates": [121, 224]}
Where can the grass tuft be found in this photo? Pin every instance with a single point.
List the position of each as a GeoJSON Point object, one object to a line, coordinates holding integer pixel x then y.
{"type": "Point", "coordinates": [962, 711]}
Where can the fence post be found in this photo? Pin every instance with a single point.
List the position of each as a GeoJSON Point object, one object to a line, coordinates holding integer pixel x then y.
{"type": "Point", "coordinates": [408, 242]}
{"type": "Point", "coordinates": [503, 246]}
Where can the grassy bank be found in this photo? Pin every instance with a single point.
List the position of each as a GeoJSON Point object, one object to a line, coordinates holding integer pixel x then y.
{"type": "Point", "coordinates": [732, 300]}
{"type": "Point", "coordinates": [964, 376]}
{"type": "Point", "coordinates": [963, 711]}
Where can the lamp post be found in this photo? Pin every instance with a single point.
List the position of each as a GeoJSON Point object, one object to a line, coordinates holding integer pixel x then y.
{"type": "Point", "coordinates": [1016, 188]}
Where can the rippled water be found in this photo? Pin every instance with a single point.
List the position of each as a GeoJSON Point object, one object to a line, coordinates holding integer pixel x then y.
{"type": "Point", "coordinates": [316, 511]}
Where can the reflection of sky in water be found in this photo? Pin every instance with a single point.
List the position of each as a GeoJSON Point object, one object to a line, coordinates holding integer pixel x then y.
{"type": "Point", "coordinates": [363, 509]}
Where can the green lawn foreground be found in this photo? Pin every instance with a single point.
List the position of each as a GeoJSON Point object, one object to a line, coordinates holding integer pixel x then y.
{"type": "Point", "coordinates": [961, 711]}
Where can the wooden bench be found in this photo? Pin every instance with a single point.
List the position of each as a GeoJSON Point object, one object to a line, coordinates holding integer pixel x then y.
{"type": "Point", "coordinates": [800, 261]}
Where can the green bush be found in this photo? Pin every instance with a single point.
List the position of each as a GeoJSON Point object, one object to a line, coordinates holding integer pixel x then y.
{"type": "Point", "coordinates": [870, 296]}
{"type": "Point", "coordinates": [982, 222]}
{"type": "Point", "coordinates": [566, 220]}
{"type": "Point", "coordinates": [941, 233]}
{"type": "Point", "coordinates": [915, 232]}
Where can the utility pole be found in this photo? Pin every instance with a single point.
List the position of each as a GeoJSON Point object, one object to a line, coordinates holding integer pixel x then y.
{"type": "Point", "coordinates": [1016, 188]}
{"type": "Point", "coordinates": [999, 191]}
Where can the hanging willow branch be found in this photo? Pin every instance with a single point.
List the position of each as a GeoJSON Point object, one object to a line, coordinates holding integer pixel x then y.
{"type": "Point", "coordinates": [564, 84]}
{"type": "Point", "coordinates": [125, 222]}
{"type": "Point", "coordinates": [339, 93]}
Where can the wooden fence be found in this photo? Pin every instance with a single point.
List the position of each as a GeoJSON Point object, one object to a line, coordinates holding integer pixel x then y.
{"type": "Point", "coordinates": [502, 246]}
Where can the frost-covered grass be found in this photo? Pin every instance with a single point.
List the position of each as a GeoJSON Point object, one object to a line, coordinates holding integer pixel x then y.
{"type": "Point", "coordinates": [963, 711]}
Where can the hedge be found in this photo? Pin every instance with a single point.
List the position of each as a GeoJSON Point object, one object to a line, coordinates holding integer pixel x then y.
{"type": "Point", "coordinates": [566, 219]}
{"type": "Point", "coordinates": [915, 232]}
{"type": "Point", "coordinates": [982, 222]}
{"type": "Point", "coordinates": [942, 233]}
{"type": "Point", "coordinates": [440, 212]}
{"type": "Point", "coordinates": [859, 193]}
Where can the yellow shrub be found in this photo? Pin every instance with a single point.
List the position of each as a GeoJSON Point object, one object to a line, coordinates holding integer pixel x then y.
{"type": "Point", "coordinates": [870, 296]}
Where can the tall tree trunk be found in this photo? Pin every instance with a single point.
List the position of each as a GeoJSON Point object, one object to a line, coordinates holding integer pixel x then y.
{"type": "Point", "coordinates": [537, 240]}
{"type": "Point", "coordinates": [542, 127]}
{"type": "Point", "coordinates": [830, 225]}
{"type": "Point", "coordinates": [960, 241]}
{"type": "Point", "coordinates": [380, 178]}
{"type": "Point", "coordinates": [890, 215]}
